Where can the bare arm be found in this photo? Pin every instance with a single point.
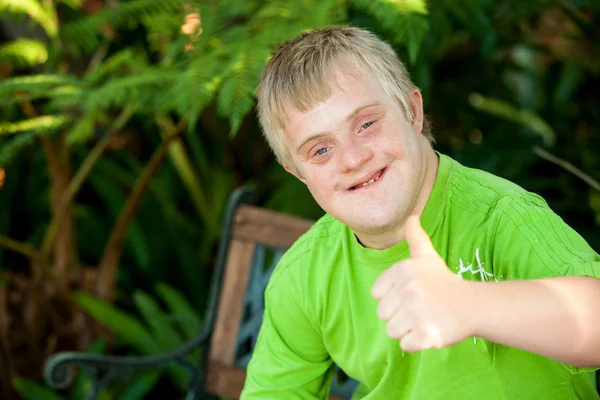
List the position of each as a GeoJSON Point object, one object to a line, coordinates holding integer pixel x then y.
{"type": "Point", "coordinates": [556, 317]}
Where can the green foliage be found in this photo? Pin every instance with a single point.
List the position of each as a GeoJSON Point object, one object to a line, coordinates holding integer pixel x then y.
{"type": "Point", "coordinates": [526, 118]}
{"type": "Point", "coordinates": [404, 21]}
{"type": "Point", "coordinates": [45, 16]}
{"type": "Point", "coordinates": [32, 390]}
{"type": "Point", "coordinates": [157, 332]}
{"type": "Point", "coordinates": [26, 132]}
{"type": "Point", "coordinates": [24, 53]}
{"type": "Point", "coordinates": [129, 329]}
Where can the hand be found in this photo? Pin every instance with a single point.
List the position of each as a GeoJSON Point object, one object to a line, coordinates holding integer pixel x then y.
{"type": "Point", "coordinates": [424, 304]}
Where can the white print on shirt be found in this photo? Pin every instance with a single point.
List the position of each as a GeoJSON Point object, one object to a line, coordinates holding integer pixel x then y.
{"type": "Point", "coordinates": [483, 274]}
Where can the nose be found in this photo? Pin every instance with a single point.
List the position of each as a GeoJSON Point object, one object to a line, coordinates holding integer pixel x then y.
{"type": "Point", "coordinates": [354, 154]}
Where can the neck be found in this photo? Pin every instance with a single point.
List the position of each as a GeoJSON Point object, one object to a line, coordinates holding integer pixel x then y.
{"type": "Point", "coordinates": [384, 240]}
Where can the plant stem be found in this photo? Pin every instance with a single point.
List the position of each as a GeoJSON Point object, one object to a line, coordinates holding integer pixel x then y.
{"type": "Point", "coordinates": [567, 166]}
{"type": "Point", "coordinates": [82, 173]}
{"type": "Point", "coordinates": [112, 251]}
{"type": "Point", "coordinates": [19, 247]}
{"type": "Point", "coordinates": [185, 169]}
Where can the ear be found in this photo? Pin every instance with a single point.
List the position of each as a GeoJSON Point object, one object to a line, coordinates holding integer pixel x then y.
{"type": "Point", "coordinates": [294, 172]}
{"type": "Point", "coordinates": [416, 106]}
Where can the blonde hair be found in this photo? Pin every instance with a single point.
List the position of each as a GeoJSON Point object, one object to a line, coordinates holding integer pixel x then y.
{"type": "Point", "coordinates": [299, 76]}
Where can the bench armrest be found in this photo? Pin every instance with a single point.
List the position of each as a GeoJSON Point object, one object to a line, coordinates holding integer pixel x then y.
{"type": "Point", "coordinates": [59, 369]}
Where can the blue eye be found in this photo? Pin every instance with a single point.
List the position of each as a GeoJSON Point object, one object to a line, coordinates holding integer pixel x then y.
{"type": "Point", "coordinates": [368, 124]}
{"type": "Point", "coordinates": [321, 151]}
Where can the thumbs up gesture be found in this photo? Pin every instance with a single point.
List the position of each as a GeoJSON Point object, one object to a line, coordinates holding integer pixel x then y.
{"type": "Point", "coordinates": [423, 303]}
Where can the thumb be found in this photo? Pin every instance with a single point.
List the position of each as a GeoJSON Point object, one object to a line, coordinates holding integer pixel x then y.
{"type": "Point", "coordinates": [418, 240]}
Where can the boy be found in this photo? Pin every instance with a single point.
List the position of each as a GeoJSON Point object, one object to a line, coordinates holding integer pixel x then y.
{"type": "Point", "coordinates": [425, 279]}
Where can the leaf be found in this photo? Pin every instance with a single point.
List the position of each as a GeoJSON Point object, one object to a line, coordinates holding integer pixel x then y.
{"type": "Point", "coordinates": [138, 90]}
{"type": "Point", "coordinates": [34, 10]}
{"type": "Point", "coordinates": [163, 332]}
{"type": "Point", "coordinates": [525, 118]}
{"type": "Point", "coordinates": [82, 131]}
{"type": "Point", "coordinates": [74, 4]}
{"type": "Point", "coordinates": [82, 383]}
{"type": "Point", "coordinates": [84, 33]}
{"type": "Point", "coordinates": [26, 132]}
{"type": "Point", "coordinates": [44, 123]}
{"type": "Point", "coordinates": [181, 311]}
{"type": "Point", "coordinates": [405, 20]}
{"type": "Point", "coordinates": [24, 53]}
{"type": "Point", "coordinates": [129, 329]}
{"type": "Point", "coordinates": [235, 98]}
{"type": "Point", "coordinates": [139, 387]}
{"type": "Point", "coordinates": [32, 390]}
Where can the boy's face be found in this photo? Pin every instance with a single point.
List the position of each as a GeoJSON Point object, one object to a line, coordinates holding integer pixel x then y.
{"type": "Point", "coordinates": [360, 135]}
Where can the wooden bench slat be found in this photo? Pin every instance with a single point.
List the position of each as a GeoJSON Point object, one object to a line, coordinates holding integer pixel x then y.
{"type": "Point", "coordinates": [231, 302]}
{"type": "Point", "coordinates": [268, 227]}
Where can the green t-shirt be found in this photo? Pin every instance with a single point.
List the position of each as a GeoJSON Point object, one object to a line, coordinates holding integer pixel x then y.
{"type": "Point", "coordinates": [319, 309]}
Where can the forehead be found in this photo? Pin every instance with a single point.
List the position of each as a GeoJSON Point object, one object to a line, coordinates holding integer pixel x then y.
{"type": "Point", "coordinates": [350, 90]}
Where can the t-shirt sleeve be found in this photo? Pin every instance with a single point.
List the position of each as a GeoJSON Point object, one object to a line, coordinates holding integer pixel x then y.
{"type": "Point", "coordinates": [289, 360]}
{"type": "Point", "coordinates": [532, 242]}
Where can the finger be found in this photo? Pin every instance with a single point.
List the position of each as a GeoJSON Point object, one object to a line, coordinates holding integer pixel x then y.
{"type": "Point", "coordinates": [399, 326]}
{"type": "Point", "coordinates": [387, 279]}
{"type": "Point", "coordinates": [412, 342]}
{"type": "Point", "coordinates": [418, 240]}
{"type": "Point", "coordinates": [422, 339]}
{"type": "Point", "coordinates": [389, 305]}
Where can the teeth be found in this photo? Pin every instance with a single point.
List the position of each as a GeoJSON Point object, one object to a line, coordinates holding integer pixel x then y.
{"type": "Point", "coordinates": [369, 182]}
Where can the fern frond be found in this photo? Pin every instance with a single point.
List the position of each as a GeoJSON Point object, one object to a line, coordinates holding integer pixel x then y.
{"type": "Point", "coordinates": [45, 123]}
{"type": "Point", "coordinates": [23, 53]}
{"type": "Point", "coordinates": [45, 17]}
{"type": "Point", "coordinates": [405, 20]}
{"type": "Point", "coordinates": [23, 88]}
{"type": "Point", "coordinates": [74, 4]}
{"type": "Point", "coordinates": [84, 33]}
{"type": "Point", "coordinates": [25, 133]}
{"type": "Point", "coordinates": [235, 99]}
{"type": "Point", "coordinates": [82, 131]}
{"type": "Point", "coordinates": [193, 90]}
{"type": "Point", "coordinates": [143, 90]}
{"type": "Point", "coordinates": [121, 63]}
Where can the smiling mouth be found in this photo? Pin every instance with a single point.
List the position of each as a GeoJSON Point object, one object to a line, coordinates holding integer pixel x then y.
{"type": "Point", "coordinates": [369, 182]}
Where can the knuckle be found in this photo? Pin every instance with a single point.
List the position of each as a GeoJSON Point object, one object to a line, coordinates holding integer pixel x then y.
{"type": "Point", "coordinates": [390, 330]}
{"type": "Point", "coordinates": [411, 289]}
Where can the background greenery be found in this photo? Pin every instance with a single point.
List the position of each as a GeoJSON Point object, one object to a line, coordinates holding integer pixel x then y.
{"type": "Point", "coordinates": [125, 125]}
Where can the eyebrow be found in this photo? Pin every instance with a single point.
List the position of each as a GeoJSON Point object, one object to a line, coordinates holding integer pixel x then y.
{"type": "Point", "coordinates": [347, 119]}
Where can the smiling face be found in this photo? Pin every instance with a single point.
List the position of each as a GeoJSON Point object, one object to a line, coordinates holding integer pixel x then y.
{"type": "Point", "coordinates": [363, 161]}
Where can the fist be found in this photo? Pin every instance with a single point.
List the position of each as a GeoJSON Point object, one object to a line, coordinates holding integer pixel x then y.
{"type": "Point", "coordinates": [423, 303]}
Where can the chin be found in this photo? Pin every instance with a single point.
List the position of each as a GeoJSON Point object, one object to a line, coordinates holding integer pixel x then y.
{"type": "Point", "coordinates": [374, 224]}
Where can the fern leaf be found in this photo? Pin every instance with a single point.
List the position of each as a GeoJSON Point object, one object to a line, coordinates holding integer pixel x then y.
{"type": "Point", "coordinates": [25, 133]}
{"type": "Point", "coordinates": [45, 17]}
{"type": "Point", "coordinates": [44, 123]}
{"type": "Point", "coordinates": [74, 4]}
{"type": "Point", "coordinates": [126, 61]}
{"type": "Point", "coordinates": [141, 90]}
{"type": "Point", "coordinates": [84, 33]}
{"type": "Point", "coordinates": [235, 98]}
{"type": "Point", "coordinates": [193, 90]}
{"type": "Point", "coordinates": [24, 53]}
{"type": "Point", "coordinates": [23, 88]}
{"type": "Point", "coordinates": [82, 131]}
{"type": "Point", "coordinates": [404, 19]}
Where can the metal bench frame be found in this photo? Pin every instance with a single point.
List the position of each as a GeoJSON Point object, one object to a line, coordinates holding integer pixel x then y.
{"type": "Point", "coordinates": [252, 242]}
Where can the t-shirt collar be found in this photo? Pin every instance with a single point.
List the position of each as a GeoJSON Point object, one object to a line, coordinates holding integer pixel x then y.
{"type": "Point", "coordinates": [429, 220]}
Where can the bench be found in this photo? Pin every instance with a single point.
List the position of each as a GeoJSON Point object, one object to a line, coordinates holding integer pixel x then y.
{"type": "Point", "coordinates": [252, 242]}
